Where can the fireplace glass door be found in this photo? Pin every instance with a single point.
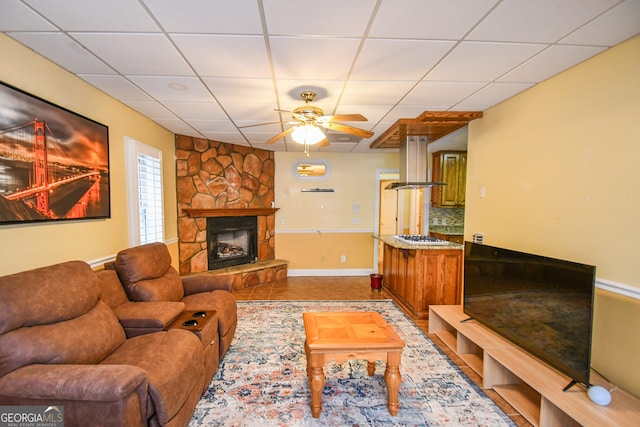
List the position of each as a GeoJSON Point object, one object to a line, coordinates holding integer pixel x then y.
{"type": "Point", "coordinates": [231, 241]}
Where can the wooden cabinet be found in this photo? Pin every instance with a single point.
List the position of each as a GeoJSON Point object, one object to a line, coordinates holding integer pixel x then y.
{"type": "Point", "coordinates": [417, 278]}
{"type": "Point", "coordinates": [449, 167]}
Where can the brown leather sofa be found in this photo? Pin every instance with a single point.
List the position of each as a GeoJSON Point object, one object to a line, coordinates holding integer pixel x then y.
{"type": "Point", "coordinates": [73, 337]}
{"type": "Point", "coordinates": [147, 275]}
{"type": "Point", "coordinates": [60, 344]}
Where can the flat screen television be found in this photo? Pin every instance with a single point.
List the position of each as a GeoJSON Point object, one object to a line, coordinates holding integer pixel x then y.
{"type": "Point", "coordinates": [543, 305]}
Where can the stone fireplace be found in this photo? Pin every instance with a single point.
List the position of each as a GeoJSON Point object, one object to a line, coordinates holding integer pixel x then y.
{"type": "Point", "coordinates": [214, 180]}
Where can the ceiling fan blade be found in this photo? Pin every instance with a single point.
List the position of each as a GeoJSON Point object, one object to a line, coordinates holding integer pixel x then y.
{"type": "Point", "coordinates": [323, 143]}
{"type": "Point", "coordinates": [347, 129]}
{"type": "Point", "coordinates": [343, 118]}
{"type": "Point", "coordinates": [259, 124]}
{"type": "Point", "coordinates": [281, 135]}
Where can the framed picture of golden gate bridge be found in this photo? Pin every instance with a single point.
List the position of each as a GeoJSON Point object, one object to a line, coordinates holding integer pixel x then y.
{"type": "Point", "coordinates": [54, 164]}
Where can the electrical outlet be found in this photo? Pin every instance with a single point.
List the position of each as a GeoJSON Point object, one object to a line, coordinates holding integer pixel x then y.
{"type": "Point", "coordinates": [343, 258]}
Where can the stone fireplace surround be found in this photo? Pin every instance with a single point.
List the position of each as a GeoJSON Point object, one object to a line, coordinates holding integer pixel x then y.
{"type": "Point", "coordinates": [219, 179]}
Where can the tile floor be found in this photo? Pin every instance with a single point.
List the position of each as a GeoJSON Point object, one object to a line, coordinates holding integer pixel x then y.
{"type": "Point", "coordinates": [355, 288]}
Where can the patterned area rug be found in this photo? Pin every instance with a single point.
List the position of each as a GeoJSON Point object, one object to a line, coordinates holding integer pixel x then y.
{"type": "Point", "coordinates": [262, 379]}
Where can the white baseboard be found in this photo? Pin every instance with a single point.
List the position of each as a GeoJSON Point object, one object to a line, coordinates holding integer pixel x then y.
{"type": "Point", "coordinates": [336, 272]}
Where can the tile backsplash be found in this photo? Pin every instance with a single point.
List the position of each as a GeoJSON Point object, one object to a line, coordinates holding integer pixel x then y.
{"type": "Point", "coordinates": [446, 216]}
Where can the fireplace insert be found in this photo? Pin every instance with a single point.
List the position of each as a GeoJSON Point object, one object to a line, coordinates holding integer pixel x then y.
{"type": "Point", "coordinates": [231, 241]}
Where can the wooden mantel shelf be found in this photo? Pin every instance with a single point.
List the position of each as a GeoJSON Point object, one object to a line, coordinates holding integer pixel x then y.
{"type": "Point", "coordinates": [230, 212]}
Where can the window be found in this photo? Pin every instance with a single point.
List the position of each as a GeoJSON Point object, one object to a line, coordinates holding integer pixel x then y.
{"type": "Point", "coordinates": [144, 184]}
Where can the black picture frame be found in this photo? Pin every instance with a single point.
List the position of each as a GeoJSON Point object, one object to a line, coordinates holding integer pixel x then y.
{"type": "Point", "coordinates": [54, 163]}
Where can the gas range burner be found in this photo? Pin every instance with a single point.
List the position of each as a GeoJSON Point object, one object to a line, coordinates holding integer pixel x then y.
{"type": "Point", "coordinates": [418, 239]}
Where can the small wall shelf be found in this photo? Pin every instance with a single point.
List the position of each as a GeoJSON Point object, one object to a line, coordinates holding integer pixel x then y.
{"type": "Point", "coordinates": [317, 190]}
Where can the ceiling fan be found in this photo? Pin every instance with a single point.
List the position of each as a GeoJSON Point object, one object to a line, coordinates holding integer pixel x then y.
{"type": "Point", "coordinates": [308, 119]}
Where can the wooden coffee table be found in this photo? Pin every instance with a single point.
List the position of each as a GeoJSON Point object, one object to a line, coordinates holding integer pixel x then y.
{"type": "Point", "coordinates": [343, 336]}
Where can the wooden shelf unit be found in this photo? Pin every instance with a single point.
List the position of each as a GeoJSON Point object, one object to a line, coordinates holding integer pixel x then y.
{"type": "Point", "coordinates": [532, 387]}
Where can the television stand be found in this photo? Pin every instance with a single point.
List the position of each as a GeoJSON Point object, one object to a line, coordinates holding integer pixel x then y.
{"type": "Point", "coordinates": [532, 387]}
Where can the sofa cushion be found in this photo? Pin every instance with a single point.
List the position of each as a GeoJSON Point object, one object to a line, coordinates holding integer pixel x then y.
{"type": "Point", "coordinates": [86, 339]}
{"type": "Point", "coordinates": [47, 295]}
{"type": "Point", "coordinates": [174, 363]}
{"type": "Point", "coordinates": [147, 275]}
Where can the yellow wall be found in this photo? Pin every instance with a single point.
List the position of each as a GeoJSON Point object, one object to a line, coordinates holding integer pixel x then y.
{"type": "Point", "coordinates": [38, 244]}
{"type": "Point", "coordinates": [320, 227]}
{"type": "Point", "coordinates": [559, 164]}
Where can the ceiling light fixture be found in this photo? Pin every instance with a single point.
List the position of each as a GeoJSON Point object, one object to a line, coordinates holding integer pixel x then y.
{"type": "Point", "coordinates": [307, 134]}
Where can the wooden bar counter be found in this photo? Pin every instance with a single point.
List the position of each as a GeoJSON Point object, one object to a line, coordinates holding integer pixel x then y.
{"type": "Point", "coordinates": [418, 275]}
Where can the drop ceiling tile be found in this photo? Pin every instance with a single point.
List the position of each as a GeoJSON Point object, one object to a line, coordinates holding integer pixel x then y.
{"type": "Point", "coordinates": [254, 112]}
{"type": "Point", "coordinates": [375, 92]}
{"type": "Point", "coordinates": [177, 126]}
{"type": "Point", "coordinates": [327, 92]}
{"type": "Point", "coordinates": [313, 58]}
{"type": "Point", "coordinates": [173, 88]}
{"type": "Point", "coordinates": [478, 61]}
{"type": "Point", "coordinates": [225, 56]}
{"type": "Point", "coordinates": [491, 95]}
{"type": "Point", "coordinates": [428, 19]}
{"type": "Point", "coordinates": [116, 86]}
{"type": "Point", "coordinates": [207, 16]}
{"type": "Point", "coordinates": [196, 110]}
{"type": "Point", "coordinates": [612, 27]}
{"type": "Point", "coordinates": [16, 16]}
{"type": "Point", "coordinates": [550, 62]}
{"type": "Point", "coordinates": [208, 126]}
{"type": "Point", "coordinates": [327, 18]}
{"type": "Point", "coordinates": [112, 15]}
{"type": "Point", "coordinates": [240, 90]}
{"type": "Point", "coordinates": [343, 147]}
{"type": "Point", "coordinates": [228, 137]}
{"type": "Point", "coordinates": [382, 59]}
{"type": "Point", "coordinates": [440, 93]}
{"type": "Point", "coordinates": [145, 54]}
{"type": "Point", "coordinates": [342, 138]}
{"type": "Point", "coordinates": [64, 51]}
{"type": "Point", "coordinates": [151, 109]}
{"type": "Point", "coordinates": [541, 21]}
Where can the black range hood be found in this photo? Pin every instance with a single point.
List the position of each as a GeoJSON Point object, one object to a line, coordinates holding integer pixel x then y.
{"type": "Point", "coordinates": [414, 164]}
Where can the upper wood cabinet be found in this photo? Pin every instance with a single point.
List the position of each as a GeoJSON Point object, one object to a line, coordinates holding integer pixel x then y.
{"type": "Point", "coordinates": [449, 167]}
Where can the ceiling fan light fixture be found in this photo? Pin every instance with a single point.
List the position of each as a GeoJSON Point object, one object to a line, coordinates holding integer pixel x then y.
{"type": "Point", "coordinates": [307, 134]}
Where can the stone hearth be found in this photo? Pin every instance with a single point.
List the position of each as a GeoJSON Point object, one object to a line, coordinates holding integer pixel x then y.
{"type": "Point", "coordinates": [221, 179]}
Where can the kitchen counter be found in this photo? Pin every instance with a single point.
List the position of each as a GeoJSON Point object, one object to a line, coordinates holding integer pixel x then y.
{"type": "Point", "coordinates": [394, 242]}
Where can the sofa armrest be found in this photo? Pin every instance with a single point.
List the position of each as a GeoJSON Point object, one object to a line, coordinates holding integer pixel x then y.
{"type": "Point", "coordinates": [138, 318]}
{"type": "Point", "coordinates": [103, 383]}
{"type": "Point", "coordinates": [199, 283]}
